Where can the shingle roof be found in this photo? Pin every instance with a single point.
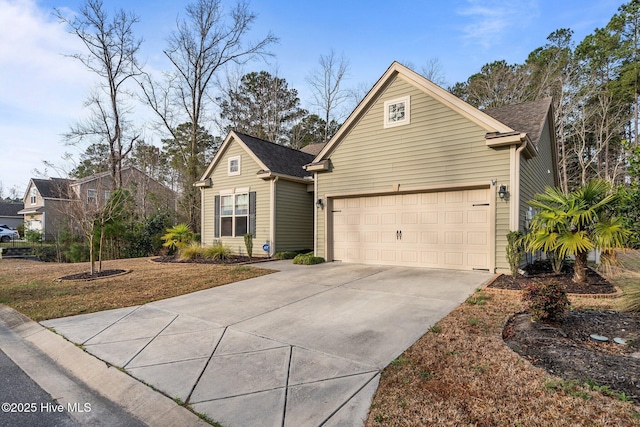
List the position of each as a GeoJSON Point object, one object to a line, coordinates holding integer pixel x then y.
{"type": "Point", "coordinates": [528, 117]}
{"type": "Point", "coordinates": [10, 208]}
{"type": "Point", "coordinates": [278, 158]}
{"type": "Point", "coordinates": [53, 188]}
{"type": "Point", "coordinates": [313, 149]}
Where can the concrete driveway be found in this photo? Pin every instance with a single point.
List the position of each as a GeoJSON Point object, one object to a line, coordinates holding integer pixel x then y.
{"type": "Point", "coordinates": [301, 347]}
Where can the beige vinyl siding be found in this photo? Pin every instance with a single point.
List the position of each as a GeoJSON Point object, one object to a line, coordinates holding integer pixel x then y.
{"type": "Point", "coordinates": [246, 179]}
{"type": "Point", "coordinates": [294, 216]}
{"type": "Point", "coordinates": [536, 173]}
{"type": "Point", "coordinates": [438, 148]}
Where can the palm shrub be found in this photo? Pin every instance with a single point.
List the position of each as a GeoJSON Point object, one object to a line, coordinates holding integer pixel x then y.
{"type": "Point", "coordinates": [515, 250]}
{"type": "Point", "coordinates": [177, 236]}
{"type": "Point", "coordinates": [575, 223]}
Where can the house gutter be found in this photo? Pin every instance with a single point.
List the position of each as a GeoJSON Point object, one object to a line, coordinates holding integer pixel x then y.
{"type": "Point", "coordinates": [315, 214]}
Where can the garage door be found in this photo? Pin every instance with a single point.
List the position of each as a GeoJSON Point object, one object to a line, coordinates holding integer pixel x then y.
{"type": "Point", "coordinates": [448, 229]}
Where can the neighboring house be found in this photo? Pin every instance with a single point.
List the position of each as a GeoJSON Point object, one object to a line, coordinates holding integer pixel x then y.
{"type": "Point", "coordinates": [47, 201]}
{"type": "Point", "coordinates": [414, 177]}
{"type": "Point", "coordinates": [417, 177]}
{"type": "Point", "coordinates": [9, 214]}
{"type": "Point", "coordinates": [44, 203]}
{"type": "Point", "coordinates": [258, 187]}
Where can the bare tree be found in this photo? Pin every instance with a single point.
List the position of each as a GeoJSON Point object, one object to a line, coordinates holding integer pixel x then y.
{"type": "Point", "coordinates": [325, 82]}
{"type": "Point", "coordinates": [205, 41]}
{"type": "Point", "coordinates": [433, 71]}
{"type": "Point", "coordinates": [111, 55]}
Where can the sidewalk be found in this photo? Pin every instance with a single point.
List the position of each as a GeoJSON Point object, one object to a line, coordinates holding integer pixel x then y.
{"type": "Point", "coordinates": [90, 391]}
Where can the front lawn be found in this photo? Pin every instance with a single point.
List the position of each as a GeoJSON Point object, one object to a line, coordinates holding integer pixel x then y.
{"type": "Point", "coordinates": [29, 286]}
{"type": "Point", "coordinates": [461, 373]}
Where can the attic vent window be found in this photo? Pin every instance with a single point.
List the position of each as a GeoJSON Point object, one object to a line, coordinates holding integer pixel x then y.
{"type": "Point", "coordinates": [234, 166]}
{"type": "Point", "coordinates": [397, 112]}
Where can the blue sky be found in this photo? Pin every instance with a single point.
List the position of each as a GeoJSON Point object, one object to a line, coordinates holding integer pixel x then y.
{"type": "Point", "coordinates": [42, 91]}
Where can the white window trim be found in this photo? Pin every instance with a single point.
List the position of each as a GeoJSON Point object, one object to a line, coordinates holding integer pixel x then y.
{"type": "Point", "coordinates": [231, 159]}
{"type": "Point", "coordinates": [407, 112]}
{"type": "Point", "coordinates": [234, 194]}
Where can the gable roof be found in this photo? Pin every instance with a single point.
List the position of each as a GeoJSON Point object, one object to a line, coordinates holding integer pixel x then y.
{"type": "Point", "coordinates": [528, 117]}
{"type": "Point", "coordinates": [272, 158]}
{"type": "Point", "coordinates": [278, 158]}
{"type": "Point", "coordinates": [485, 121]}
{"type": "Point", "coordinates": [52, 188]}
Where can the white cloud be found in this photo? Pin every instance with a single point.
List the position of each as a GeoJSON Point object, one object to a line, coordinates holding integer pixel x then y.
{"type": "Point", "coordinates": [490, 20]}
{"type": "Point", "coordinates": [41, 90]}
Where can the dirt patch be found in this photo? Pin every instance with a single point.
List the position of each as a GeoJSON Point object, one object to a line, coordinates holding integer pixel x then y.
{"type": "Point", "coordinates": [541, 271]}
{"type": "Point", "coordinates": [565, 348]}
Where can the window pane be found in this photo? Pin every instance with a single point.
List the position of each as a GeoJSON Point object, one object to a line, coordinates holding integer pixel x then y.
{"type": "Point", "coordinates": [241, 226]}
{"type": "Point", "coordinates": [226, 226]}
{"type": "Point", "coordinates": [226, 205]}
{"type": "Point", "coordinates": [242, 204]}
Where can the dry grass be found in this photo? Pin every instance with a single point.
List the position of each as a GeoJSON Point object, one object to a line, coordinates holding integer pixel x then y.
{"type": "Point", "coordinates": [29, 286]}
{"type": "Point", "coordinates": [462, 374]}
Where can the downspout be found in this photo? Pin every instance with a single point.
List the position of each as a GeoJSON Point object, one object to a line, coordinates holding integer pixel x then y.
{"type": "Point", "coordinates": [272, 220]}
{"type": "Point", "coordinates": [514, 224]}
{"type": "Point", "coordinates": [202, 210]}
{"type": "Point", "coordinates": [315, 214]}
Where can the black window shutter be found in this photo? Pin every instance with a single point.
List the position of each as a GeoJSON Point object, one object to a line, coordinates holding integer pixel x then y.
{"type": "Point", "coordinates": [252, 213]}
{"type": "Point", "coordinates": [216, 217]}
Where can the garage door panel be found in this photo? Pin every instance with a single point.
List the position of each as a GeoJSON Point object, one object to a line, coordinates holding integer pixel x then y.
{"type": "Point", "coordinates": [447, 229]}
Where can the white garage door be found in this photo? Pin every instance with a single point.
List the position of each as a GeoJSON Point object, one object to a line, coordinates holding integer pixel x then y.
{"type": "Point", "coordinates": [449, 229]}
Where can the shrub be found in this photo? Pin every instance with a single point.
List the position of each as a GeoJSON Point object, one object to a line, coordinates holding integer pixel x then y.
{"type": "Point", "coordinates": [248, 243]}
{"type": "Point", "coordinates": [217, 251]}
{"type": "Point", "coordinates": [546, 300]}
{"type": "Point", "coordinates": [307, 259]}
{"type": "Point", "coordinates": [33, 236]}
{"type": "Point", "coordinates": [178, 236]}
{"type": "Point", "coordinates": [78, 252]}
{"type": "Point", "coordinates": [46, 253]}
{"type": "Point", "coordinates": [631, 300]}
{"type": "Point", "coordinates": [191, 251]}
{"type": "Point", "coordinates": [515, 250]}
{"type": "Point", "coordinates": [285, 255]}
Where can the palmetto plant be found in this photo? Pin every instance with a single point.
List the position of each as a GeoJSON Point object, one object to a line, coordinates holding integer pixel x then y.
{"type": "Point", "coordinates": [178, 236]}
{"type": "Point", "coordinates": [575, 223]}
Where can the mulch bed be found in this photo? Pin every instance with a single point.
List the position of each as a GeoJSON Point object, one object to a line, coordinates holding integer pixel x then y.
{"type": "Point", "coordinates": [86, 275]}
{"type": "Point", "coordinates": [541, 271]}
{"type": "Point", "coordinates": [233, 259]}
{"type": "Point", "coordinates": [565, 348]}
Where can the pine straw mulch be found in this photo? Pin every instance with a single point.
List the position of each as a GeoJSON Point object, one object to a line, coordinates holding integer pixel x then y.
{"type": "Point", "coordinates": [462, 373]}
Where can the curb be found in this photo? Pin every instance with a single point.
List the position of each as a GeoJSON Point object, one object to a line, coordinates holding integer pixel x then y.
{"type": "Point", "coordinates": [82, 378]}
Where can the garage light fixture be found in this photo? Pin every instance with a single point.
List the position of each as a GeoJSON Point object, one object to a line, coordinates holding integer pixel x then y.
{"type": "Point", "coordinates": [319, 204]}
{"type": "Point", "coordinates": [502, 192]}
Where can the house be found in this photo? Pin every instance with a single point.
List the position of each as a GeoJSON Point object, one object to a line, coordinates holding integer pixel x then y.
{"type": "Point", "coordinates": [9, 214]}
{"type": "Point", "coordinates": [47, 201]}
{"type": "Point", "coordinates": [417, 177]}
{"type": "Point", "coordinates": [414, 177]}
{"type": "Point", "coordinates": [44, 202]}
{"type": "Point", "coordinates": [258, 187]}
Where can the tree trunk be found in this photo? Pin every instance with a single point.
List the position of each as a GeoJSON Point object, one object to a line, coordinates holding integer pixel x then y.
{"type": "Point", "coordinates": [580, 268]}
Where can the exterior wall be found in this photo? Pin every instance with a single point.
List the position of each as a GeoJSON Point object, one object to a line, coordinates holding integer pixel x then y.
{"type": "Point", "coordinates": [294, 216]}
{"type": "Point", "coordinates": [149, 195]}
{"type": "Point", "coordinates": [246, 179]}
{"type": "Point", "coordinates": [536, 173]}
{"type": "Point", "coordinates": [438, 148]}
